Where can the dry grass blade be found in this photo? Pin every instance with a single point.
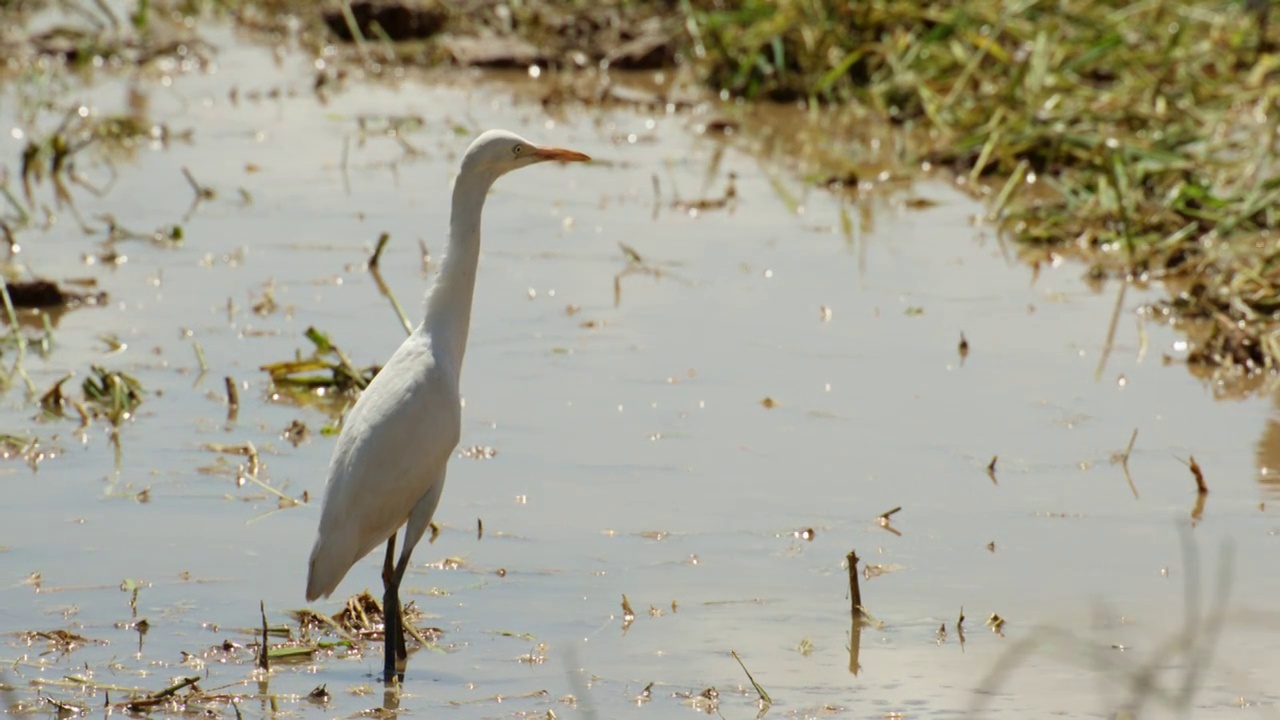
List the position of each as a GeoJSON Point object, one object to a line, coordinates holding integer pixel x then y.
{"type": "Point", "coordinates": [765, 700]}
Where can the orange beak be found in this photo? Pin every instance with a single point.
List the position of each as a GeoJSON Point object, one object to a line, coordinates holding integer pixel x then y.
{"type": "Point", "coordinates": [560, 154]}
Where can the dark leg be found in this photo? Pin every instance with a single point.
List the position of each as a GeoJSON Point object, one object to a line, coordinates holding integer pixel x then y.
{"type": "Point", "coordinates": [390, 613]}
{"type": "Point", "coordinates": [401, 652]}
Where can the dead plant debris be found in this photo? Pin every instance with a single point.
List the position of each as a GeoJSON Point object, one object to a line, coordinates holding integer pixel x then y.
{"type": "Point", "coordinates": [1201, 487]}
{"type": "Point", "coordinates": [111, 394]}
{"type": "Point", "coordinates": [327, 370]}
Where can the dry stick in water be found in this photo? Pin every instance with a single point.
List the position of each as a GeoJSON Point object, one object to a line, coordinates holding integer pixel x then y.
{"type": "Point", "coordinates": [1201, 487]}
{"type": "Point", "coordinates": [233, 396]}
{"type": "Point", "coordinates": [1124, 462]}
{"type": "Point", "coordinates": [383, 239]}
{"type": "Point", "coordinates": [141, 705]}
{"type": "Point", "coordinates": [1202, 490]}
{"type": "Point", "coordinates": [855, 592]}
{"type": "Point", "coordinates": [204, 367]}
{"type": "Point", "coordinates": [855, 609]}
{"type": "Point", "coordinates": [263, 660]}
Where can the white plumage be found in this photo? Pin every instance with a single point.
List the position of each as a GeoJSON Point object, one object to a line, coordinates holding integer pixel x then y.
{"type": "Point", "coordinates": [388, 466]}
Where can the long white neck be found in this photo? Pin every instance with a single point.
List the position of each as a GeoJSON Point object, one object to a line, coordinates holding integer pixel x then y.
{"type": "Point", "coordinates": [449, 303]}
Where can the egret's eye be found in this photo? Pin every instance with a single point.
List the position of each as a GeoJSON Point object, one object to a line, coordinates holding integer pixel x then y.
{"type": "Point", "coordinates": [517, 149]}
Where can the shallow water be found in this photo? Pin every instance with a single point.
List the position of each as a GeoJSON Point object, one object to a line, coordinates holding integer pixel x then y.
{"type": "Point", "coordinates": [634, 454]}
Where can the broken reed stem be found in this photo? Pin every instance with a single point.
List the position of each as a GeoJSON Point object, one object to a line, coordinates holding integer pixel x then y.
{"type": "Point", "coordinates": [173, 689]}
{"type": "Point", "coordinates": [395, 304]}
{"type": "Point", "coordinates": [855, 592]}
{"type": "Point", "coordinates": [1201, 487]}
{"type": "Point", "coordinates": [1129, 448]}
{"type": "Point", "coordinates": [764, 696]}
{"type": "Point", "coordinates": [195, 186]}
{"type": "Point", "coordinates": [204, 367]}
{"type": "Point", "coordinates": [350, 367]}
{"type": "Point", "coordinates": [1124, 463]}
{"type": "Point", "coordinates": [233, 396]}
{"type": "Point", "coordinates": [383, 239]}
{"type": "Point", "coordinates": [263, 660]}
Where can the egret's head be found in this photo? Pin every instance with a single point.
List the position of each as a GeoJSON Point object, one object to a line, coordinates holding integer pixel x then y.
{"type": "Point", "coordinates": [497, 152]}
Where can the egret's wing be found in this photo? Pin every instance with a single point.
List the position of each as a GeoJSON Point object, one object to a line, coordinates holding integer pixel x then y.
{"type": "Point", "coordinates": [393, 446]}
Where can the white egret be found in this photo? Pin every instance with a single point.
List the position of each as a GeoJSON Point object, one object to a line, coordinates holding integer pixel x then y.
{"type": "Point", "coordinates": [388, 465]}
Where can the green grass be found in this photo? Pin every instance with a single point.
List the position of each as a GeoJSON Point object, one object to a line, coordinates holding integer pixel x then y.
{"type": "Point", "coordinates": [1138, 136]}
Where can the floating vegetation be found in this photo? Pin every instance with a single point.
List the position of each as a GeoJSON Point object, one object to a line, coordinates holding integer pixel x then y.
{"type": "Point", "coordinates": [62, 641]}
{"type": "Point", "coordinates": [327, 371]}
{"type": "Point", "coordinates": [109, 393]}
{"type": "Point", "coordinates": [28, 449]}
{"type": "Point", "coordinates": [361, 620]}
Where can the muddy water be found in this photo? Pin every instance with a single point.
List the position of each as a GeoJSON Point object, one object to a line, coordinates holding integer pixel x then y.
{"type": "Point", "coordinates": [633, 448]}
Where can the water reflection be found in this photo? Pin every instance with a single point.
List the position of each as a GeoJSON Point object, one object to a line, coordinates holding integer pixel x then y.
{"type": "Point", "coordinates": [1267, 451]}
